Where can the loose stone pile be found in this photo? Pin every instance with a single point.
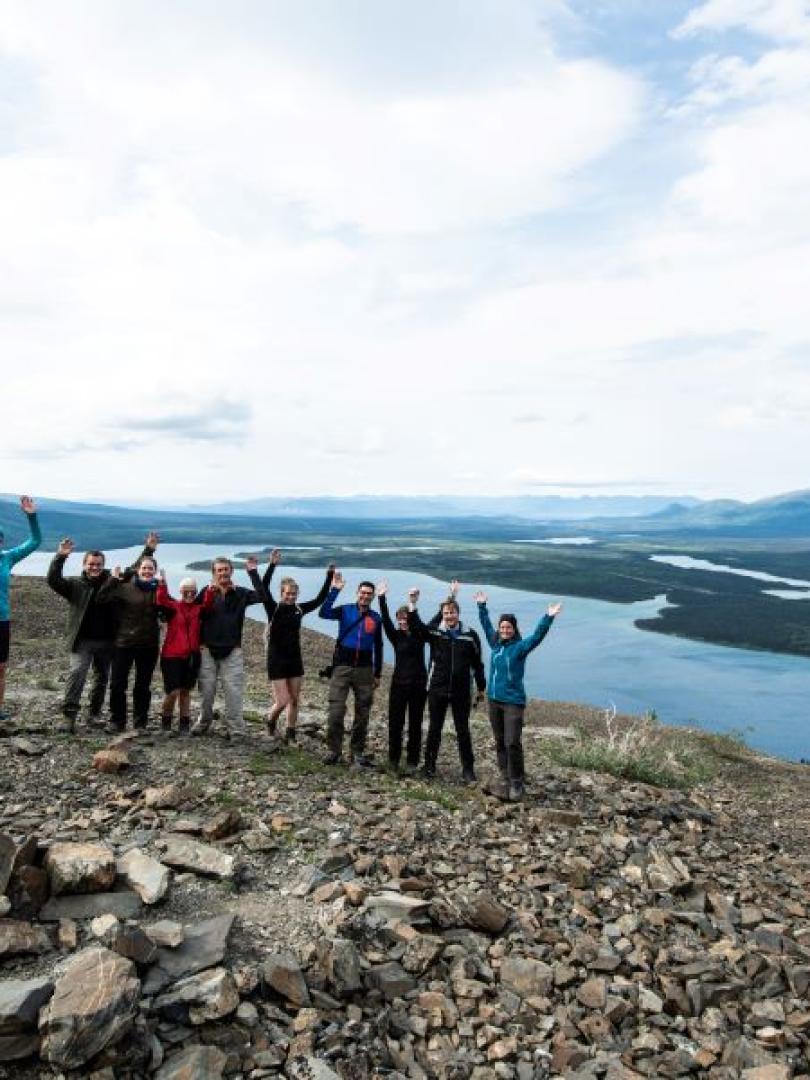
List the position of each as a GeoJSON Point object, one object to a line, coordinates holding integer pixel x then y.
{"type": "Point", "coordinates": [191, 911]}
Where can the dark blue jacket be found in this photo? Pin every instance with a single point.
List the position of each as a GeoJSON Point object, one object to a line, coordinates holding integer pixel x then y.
{"type": "Point", "coordinates": [360, 639]}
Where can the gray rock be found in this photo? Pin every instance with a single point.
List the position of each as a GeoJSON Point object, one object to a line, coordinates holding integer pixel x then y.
{"type": "Point", "coordinates": [20, 1002]}
{"type": "Point", "coordinates": [8, 849]}
{"type": "Point", "coordinates": [133, 943]}
{"type": "Point", "coordinates": [93, 1005]}
{"type": "Point", "coordinates": [340, 963]}
{"type": "Point", "coordinates": [201, 858]}
{"type": "Point", "coordinates": [124, 905]}
{"type": "Point", "coordinates": [283, 973]}
{"type": "Point", "coordinates": [394, 905]}
{"type": "Point", "coordinates": [148, 877]}
{"type": "Point", "coordinates": [194, 1063]}
{"type": "Point", "coordinates": [79, 868]}
{"type": "Point", "coordinates": [310, 1068]}
{"type": "Point", "coordinates": [166, 933]}
{"type": "Point", "coordinates": [527, 977]}
{"type": "Point", "coordinates": [390, 979]}
{"type": "Point", "coordinates": [203, 947]}
{"type": "Point", "coordinates": [19, 938]}
{"type": "Point", "coordinates": [210, 995]}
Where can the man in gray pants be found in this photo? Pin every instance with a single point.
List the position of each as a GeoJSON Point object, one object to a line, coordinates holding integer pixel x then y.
{"type": "Point", "coordinates": [90, 630]}
{"type": "Point", "coordinates": [221, 651]}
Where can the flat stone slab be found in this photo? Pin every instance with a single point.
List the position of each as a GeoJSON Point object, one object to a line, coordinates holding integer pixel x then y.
{"type": "Point", "coordinates": [124, 904]}
{"type": "Point", "coordinates": [195, 1063]}
{"type": "Point", "coordinates": [79, 868]}
{"type": "Point", "coordinates": [200, 858]}
{"type": "Point", "coordinates": [203, 947]}
{"type": "Point", "coordinates": [20, 1002]}
{"type": "Point", "coordinates": [148, 877]}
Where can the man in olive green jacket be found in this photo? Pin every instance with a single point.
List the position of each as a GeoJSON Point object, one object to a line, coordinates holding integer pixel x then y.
{"type": "Point", "coordinates": [91, 628]}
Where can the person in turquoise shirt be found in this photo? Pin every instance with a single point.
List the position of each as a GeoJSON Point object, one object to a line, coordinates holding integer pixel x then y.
{"type": "Point", "coordinates": [9, 557]}
{"type": "Point", "coordinates": [505, 689]}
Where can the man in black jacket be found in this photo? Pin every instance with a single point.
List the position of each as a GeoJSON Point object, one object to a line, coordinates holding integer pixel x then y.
{"type": "Point", "coordinates": [91, 628]}
{"type": "Point", "coordinates": [455, 660]}
{"type": "Point", "coordinates": [221, 652]}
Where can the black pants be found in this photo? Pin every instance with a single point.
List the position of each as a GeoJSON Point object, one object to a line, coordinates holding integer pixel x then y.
{"type": "Point", "coordinates": [507, 727]}
{"type": "Point", "coordinates": [460, 704]}
{"type": "Point", "coordinates": [144, 658]}
{"type": "Point", "coordinates": [405, 698]}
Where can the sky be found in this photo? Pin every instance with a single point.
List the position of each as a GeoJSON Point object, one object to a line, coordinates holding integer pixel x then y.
{"type": "Point", "coordinates": [329, 247]}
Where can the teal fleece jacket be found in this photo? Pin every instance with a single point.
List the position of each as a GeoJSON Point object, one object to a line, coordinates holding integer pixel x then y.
{"type": "Point", "coordinates": [508, 659]}
{"type": "Point", "coordinates": [9, 557]}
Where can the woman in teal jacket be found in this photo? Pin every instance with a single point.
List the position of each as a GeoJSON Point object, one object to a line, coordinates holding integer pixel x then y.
{"type": "Point", "coordinates": [507, 695]}
{"type": "Point", "coordinates": [9, 557]}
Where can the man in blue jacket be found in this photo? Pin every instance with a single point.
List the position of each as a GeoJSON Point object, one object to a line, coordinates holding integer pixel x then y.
{"type": "Point", "coordinates": [356, 666]}
{"type": "Point", "coordinates": [507, 694]}
{"type": "Point", "coordinates": [9, 557]}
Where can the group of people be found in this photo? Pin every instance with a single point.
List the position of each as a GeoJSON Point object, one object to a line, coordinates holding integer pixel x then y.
{"type": "Point", "coordinates": [114, 627]}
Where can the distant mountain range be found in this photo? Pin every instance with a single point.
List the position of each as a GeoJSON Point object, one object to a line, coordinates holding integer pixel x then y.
{"type": "Point", "coordinates": [531, 507]}
{"type": "Point", "coordinates": [784, 516]}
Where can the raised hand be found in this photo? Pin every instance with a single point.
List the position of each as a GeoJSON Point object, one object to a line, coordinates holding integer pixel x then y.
{"type": "Point", "coordinates": [382, 587]}
{"type": "Point", "coordinates": [152, 539]}
{"type": "Point", "coordinates": [275, 556]}
{"type": "Point", "coordinates": [454, 586]}
{"type": "Point", "coordinates": [162, 575]}
{"type": "Point", "coordinates": [28, 505]}
{"type": "Point", "coordinates": [338, 581]}
{"type": "Point", "coordinates": [413, 596]}
{"type": "Point", "coordinates": [480, 597]}
{"type": "Point", "coordinates": [65, 547]}
{"type": "Point", "coordinates": [554, 609]}
{"type": "Point", "coordinates": [116, 573]}
{"type": "Point", "coordinates": [251, 563]}
{"type": "Point", "coordinates": [331, 568]}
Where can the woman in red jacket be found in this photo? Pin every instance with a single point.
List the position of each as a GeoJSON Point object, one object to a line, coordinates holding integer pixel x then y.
{"type": "Point", "coordinates": [180, 655]}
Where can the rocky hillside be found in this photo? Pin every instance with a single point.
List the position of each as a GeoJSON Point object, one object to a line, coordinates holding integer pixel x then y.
{"type": "Point", "coordinates": [197, 908]}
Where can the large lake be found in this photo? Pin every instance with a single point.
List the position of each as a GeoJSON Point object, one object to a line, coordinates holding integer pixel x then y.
{"type": "Point", "coordinates": [593, 654]}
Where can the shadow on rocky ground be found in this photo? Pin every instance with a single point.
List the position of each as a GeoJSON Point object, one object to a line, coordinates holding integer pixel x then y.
{"type": "Point", "coordinates": [209, 908]}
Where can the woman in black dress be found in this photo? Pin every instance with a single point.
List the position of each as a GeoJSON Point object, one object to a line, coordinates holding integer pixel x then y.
{"type": "Point", "coordinates": [285, 665]}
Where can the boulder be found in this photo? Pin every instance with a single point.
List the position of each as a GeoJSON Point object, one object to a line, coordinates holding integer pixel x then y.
{"type": "Point", "coordinates": [20, 938]}
{"type": "Point", "coordinates": [203, 947]}
{"type": "Point", "coordinates": [148, 877]}
{"type": "Point", "coordinates": [283, 973]}
{"type": "Point", "coordinates": [93, 1005]}
{"type": "Point", "coordinates": [123, 904]}
{"type": "Point", "coordinates": [201, 858]}
{"type": "Point", "coordinates": [209, 995]}
{"type": "Point", "coordinates": [194, 1063]}
{"type": "Point", "coordinates": [80, 868]}
{"type": "Point", "coordinates": [20, 1002]}
{"type": "Point", "coordinates": [526, 977]}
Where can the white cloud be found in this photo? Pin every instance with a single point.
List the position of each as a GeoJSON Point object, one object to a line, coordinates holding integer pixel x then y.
{"type": "Point", "coordinates": [780, 20]}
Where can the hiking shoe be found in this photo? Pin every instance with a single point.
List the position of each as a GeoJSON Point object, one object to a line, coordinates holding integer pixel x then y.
{"type": "Point", "coordinates": [517, 790]}
{"type": "Point", "coordinates": [468, 776]}
{"type": "Point", "coordinates": [271, 724]}
{"type": "Point", "coordinates": [362, 761]}
{"type": "Point", "coordinates": [411, 769]}
{"type": "Point", "coordinates": [95, 720]}
{"type": "Point", "coordinates": [429, 771]}
{"type": "Point", "coordinates": [333, 758]}
{"type": "Point", "coordinates": [140, 723]}
{"type": "Point", "coordinates": [290, 735]}
{"type": "Point", "coordinates": [67, 725]}
{"type": "Point", "coordinates": [114, 729]}
{"type": "Point", "coordinates": [166, 725]}
{"type": "Point", "coordinates": [184, 726]}
{"type": "Point", "coordinates": [392, 768]}
{"type": "Point", "coordinates": [201, 727]}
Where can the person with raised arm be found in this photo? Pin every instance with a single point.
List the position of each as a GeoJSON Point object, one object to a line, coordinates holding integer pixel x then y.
{"type": "Point", "coordinates": [455, 662]}
{"type": "Point", "coordinates": [356, 666]}
{"type": "Point", "coordinates": [285, 665]}
{"type": "Point", "coordinates": [133, 592]}
{"type": "Point", "coordinates": [408, 691]}
{"type": "Point", "coordinates": [221, 645]}
{"type": "Point", "coordinates": [91, 628]}
{"type": "Point", "coordinates": [180, 652]}
{"type": "Point", "coordinates": [9, 557]}
{"type": "Point", "coordinates": [507, 694]}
